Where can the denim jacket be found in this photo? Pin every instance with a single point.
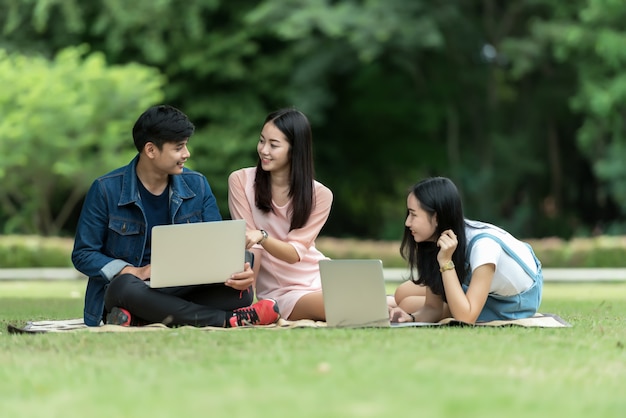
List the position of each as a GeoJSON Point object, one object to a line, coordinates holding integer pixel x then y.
{"type": "Point", "coordinates": [111, 232]}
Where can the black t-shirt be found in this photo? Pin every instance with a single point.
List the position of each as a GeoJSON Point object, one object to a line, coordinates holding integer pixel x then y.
{"type": "Point", "coordinates": [157, 210]}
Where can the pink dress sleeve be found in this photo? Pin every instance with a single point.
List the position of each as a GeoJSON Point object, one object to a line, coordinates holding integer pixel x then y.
{"type": "Point", "coordinates": [238, 201]}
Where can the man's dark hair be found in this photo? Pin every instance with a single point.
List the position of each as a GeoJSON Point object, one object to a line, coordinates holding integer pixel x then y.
{"type": "Point", "coordinates": [160, 124]}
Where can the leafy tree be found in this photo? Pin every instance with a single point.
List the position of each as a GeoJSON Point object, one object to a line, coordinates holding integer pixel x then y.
{"type": "Point", "coordinates": [215, 70]}
{"type": "Point", "coordinates": [415, 88]}
{"type": "Point", "coordinates": [65, 121]}
{"type": "Point", "coordinates": [396, 90]}
{"type": "Point", "coordinates": [357, 79]}
{"type": "Point", "coordinates": [591, 34]}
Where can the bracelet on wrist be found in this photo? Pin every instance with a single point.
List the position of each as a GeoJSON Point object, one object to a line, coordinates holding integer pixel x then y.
{"type": "Point", "coordinates": [446, 266]}
{"type": "Point", "coordinates": [412, 317]}
{"type": "Point", "coordinates": [265, 236]}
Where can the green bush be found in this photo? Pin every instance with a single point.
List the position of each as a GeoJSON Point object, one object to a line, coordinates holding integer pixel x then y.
{"type": "Point", "coordinates": [34, 251]}
{"type": "Point", "coordinates": [64, 122]}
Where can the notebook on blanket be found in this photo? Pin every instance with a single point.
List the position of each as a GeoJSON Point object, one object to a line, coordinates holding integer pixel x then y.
{"type": "Point", "coordinates": [355, 295]}
{"type": "Point", "coordinates": [197, 253]}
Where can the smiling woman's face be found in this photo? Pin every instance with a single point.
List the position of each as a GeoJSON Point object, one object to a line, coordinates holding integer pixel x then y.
{"type": "Point", "coordinates": [273, 149]}
{"type": "Point", "coordinates": [421, 224]}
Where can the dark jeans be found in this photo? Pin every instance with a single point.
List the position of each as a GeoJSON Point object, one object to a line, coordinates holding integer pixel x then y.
{"type": "Point", "coordinates": [202, 305]}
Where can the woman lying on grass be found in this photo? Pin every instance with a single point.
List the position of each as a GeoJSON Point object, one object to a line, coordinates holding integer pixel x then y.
{"type": "Point", "coordinates": [471, 271]}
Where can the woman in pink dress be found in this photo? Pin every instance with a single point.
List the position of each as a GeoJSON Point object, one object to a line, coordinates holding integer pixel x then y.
{"type": "Point", "coordinates": [284, 209]}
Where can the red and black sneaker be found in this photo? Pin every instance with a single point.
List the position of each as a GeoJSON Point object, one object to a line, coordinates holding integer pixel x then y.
{"type": "Point", "coordinates": [264, 312]}
{"type": "Point", "coordinates": [119, 316]}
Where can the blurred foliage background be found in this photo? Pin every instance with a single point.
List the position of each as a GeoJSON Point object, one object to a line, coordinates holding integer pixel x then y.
{"type": "Point", "coordinates": [521, 102]}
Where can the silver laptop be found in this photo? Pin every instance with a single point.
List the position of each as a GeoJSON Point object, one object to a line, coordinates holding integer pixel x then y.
{"type": "Point", "coordinates": [197, 253]}
{"type": "Point", "coordinates": [355, 295]}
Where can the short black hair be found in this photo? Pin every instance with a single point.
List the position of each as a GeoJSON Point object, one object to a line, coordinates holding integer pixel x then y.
{"type": "Point", "coordinates": [160, 124]}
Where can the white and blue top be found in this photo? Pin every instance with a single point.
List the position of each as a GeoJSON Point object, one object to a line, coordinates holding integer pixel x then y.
{"type": "Point", "coordinates": [517, 282]}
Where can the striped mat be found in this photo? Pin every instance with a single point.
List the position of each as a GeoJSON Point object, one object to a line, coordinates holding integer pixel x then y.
{"type": "Point", "coordinates": [540, 320]}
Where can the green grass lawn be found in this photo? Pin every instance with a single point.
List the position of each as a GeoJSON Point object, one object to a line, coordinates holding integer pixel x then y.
{"type": "Point", "coordinates": [421, 372]}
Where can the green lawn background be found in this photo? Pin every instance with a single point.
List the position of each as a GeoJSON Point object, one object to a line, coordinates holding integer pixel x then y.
{"type": "Point", "coordinates": [435, 372]}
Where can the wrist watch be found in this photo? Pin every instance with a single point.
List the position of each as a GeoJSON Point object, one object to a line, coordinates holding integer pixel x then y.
{"type": "Point", "coordinates": [447, 266]}
{"type": "Point", "coordinates": [265, 236]}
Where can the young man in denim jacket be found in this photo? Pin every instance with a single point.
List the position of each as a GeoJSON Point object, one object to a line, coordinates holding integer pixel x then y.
{"type": "Point", "coordinates": [112, 244]}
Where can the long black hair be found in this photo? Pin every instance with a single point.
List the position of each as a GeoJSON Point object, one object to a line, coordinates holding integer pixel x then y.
{"type": "Point", "coordinates": [296, 128]}
{"type": "Point", "coordinates": [437, 196]}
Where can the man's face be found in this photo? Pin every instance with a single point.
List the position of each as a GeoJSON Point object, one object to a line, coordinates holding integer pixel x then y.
{"type": "Point", "coordinates": [171, 159]}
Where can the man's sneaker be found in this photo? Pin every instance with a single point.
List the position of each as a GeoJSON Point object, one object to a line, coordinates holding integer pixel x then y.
{"type": "Point", "coordinates": [264, 312]}
{"type": "Point", "coordinates": [119, 316]}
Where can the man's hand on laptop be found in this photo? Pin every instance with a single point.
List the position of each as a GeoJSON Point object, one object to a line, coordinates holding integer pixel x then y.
{"type": "Point", "coordinates": [241, 280]}
{"type": "Point", "coordinates": [142, 272]}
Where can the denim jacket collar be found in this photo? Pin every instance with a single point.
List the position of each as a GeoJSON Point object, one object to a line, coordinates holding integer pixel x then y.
{"type": "Point", "coordinates": [130, 191]}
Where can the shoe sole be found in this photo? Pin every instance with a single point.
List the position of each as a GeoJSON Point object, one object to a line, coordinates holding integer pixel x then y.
{"type": "Point", "coordinates": [118, 317]}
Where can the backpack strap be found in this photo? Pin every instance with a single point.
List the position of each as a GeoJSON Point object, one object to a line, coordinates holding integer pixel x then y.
{"type": "Point", "coordinates": [507, 250]}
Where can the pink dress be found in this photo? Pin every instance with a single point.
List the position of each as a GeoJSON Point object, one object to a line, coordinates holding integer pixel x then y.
{"type": "Point", "coordinates": [277, 279]}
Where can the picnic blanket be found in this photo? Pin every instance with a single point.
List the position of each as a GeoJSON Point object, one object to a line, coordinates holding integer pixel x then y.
{"type": "Point", "coordinates": [540, 320]}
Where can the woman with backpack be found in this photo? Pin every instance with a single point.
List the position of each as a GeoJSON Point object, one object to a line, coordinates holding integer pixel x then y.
{"type": "Point", "coordinates": [469, 270]}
